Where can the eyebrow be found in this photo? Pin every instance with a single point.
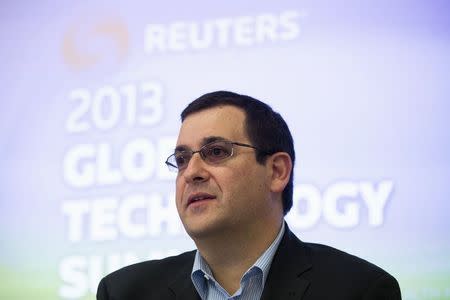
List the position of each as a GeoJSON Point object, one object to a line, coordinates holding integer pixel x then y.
{"type": "Point", "coordinates": [211, 139]}
{"type": "Point", "coordinates": [205, 141]}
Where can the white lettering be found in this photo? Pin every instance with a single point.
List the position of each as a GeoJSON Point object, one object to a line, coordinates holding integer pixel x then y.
{"type": "Point", "coordinates": [160, 213]}
{"type": "Point", "coordinates": [106, 99]}
{"type": "Point", "coordinates": [177, 36]}
{"type": "Point", "coordinates": [77, 171]}
{"type": "Point", "coordinates": [151, 104]}
{"type": "Point", "coordinates": [165, 148]}
{"type": "Point", "coordinates": [289, 23]}
{"type": "Point", "coordinates": [106, 174]}
{"type": "Point", "coordinates": [74, 121]}
{"type": "Point", "coordinates": [346, 217]}
{"type": "Point", "coordinates": [88, 164]}
{"type": "Point", "coordinates": [339, 204]}
{"type": "Point", "coordinates": [71, 271]}
{"type": "Point", "coordinates": [138, 160]}
{"type": "Point", "coordinates": [376, 200]}
{"type": "Point", "coordinates": [133, 216]}
{"type": "Point", "coordinates": [244, 31]}
{"type": "Point", "coordinates": [201, 39]}
{"type": "Point", "coordinates": [155, 37]}
{"type": "Point", "coordinates": [75, 211]}
{"type": "Point", "coordinates": [81, 274]}
{"type": "Point", "coordinates": [103, 219]}
{"type": "Point", "coordinates": [266, 28]}
{"type": "Point", "coordinates": [308, 195]}
{"type": "Point", "coordinates": [108, 106]}
{"type": "Point", "coordinates": [126, 214]}
{"type": "Point", "coordinates": [223, 34]}
{"type": "Point", "coordinates": [241, 31]}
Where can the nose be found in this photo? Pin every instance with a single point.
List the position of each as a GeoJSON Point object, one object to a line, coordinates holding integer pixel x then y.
{"type": "Point", "coordinates": [195, 171]}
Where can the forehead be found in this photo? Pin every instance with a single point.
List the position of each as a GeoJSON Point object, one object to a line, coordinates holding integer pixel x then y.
{"type": "Point", "coordinates": [225, 121]}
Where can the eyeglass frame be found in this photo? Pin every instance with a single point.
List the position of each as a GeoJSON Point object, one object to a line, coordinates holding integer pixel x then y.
{"type": "Point", "coordinates": [175, 168]}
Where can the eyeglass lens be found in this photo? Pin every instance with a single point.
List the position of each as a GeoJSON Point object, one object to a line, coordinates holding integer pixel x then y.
{"type": "Point", "coordinates": [211, 153]}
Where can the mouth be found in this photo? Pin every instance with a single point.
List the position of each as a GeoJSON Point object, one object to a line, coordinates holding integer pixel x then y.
{"type": "Point", "coordinates": [199, 197]}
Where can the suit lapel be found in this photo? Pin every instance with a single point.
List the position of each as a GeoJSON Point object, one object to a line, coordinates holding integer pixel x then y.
{"type": "Point", "coordinates": [184, 289]}
{"type": "Point", "coordinates": [182, 286]}
{"type": "Point", "coordinates": [290, 263]}
{"type": "Point", "coordinates": [286, 279]}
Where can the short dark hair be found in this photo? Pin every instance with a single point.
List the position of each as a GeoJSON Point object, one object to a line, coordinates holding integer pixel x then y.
{"type": "Point", "coordinates": [265, 128]}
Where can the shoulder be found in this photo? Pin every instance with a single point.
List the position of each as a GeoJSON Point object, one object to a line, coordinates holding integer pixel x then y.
{"type": "Point", "coordinates": [348, 274]}
{"type": "Point", "coordinates": [331, 258]}
{"type": "Point", "coordinates": [153, 269]}
{"type": "Point", "coordinates": [324, 255]}
{"type": "Point", "coordinates": [330, 271]}
{"type": "Point", "coordinates": [137, 277]}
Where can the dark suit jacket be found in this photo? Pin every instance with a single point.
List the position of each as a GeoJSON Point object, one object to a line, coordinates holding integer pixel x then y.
{"type": "Point", "coordinates": [299, 271]}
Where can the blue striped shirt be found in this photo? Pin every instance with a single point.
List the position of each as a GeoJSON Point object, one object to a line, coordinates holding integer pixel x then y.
{"type": "Point", "coordinates": [252, 282]}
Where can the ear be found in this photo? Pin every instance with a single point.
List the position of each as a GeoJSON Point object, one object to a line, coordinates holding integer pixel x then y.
{"type": "Point", "coordinates": [281, 166]}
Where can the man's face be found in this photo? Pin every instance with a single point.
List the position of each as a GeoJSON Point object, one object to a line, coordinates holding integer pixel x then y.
{"type": "Point", "coordinates": [227, 196]}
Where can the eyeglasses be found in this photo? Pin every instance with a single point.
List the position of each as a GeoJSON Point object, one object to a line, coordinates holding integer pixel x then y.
{"type": "Point", "coordinates": [212, 153]}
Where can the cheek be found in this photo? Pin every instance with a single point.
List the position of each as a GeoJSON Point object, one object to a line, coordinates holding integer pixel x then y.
{"type": "Point", "coordinates": [243, 185]}
{"type": "Point", "coordinates": [253, 184]}
{"type": "Point", "coordinates": [179, 188]}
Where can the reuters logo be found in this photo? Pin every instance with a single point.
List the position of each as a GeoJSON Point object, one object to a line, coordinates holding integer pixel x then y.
{"type": "Point", "coordinates": [87, 45]}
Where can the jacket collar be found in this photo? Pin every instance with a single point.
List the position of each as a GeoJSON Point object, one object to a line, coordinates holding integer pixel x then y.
{"type": "Point", "coordinates": [285, 280]}
{"type": "Point", "coordinates": [291, 261]}
{"type": "Point", "coordinates": [182, 286]}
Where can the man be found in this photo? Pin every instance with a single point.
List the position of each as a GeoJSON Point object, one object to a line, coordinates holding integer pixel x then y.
{"type": "Point", "coordinates": [234, 158]}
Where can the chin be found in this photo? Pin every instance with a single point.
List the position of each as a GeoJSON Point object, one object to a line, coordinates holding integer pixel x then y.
{"type": "Point", "coordinates": [201, 230]}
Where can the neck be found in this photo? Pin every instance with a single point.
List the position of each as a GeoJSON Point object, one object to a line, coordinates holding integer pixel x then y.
{"type": "Point", "coordinates": [231, 253]}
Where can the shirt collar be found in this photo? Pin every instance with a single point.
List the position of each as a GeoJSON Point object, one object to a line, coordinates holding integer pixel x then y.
{"type": "Point", "coordinates": [201, 270]}
{"type": "Point", "coordinates": [265, 260]}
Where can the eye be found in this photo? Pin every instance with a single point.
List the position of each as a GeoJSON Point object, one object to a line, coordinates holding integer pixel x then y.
{"type": "Point", "coordinates": [216, 152]}
{"type": "Point", "coordinates": [180, 160]}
